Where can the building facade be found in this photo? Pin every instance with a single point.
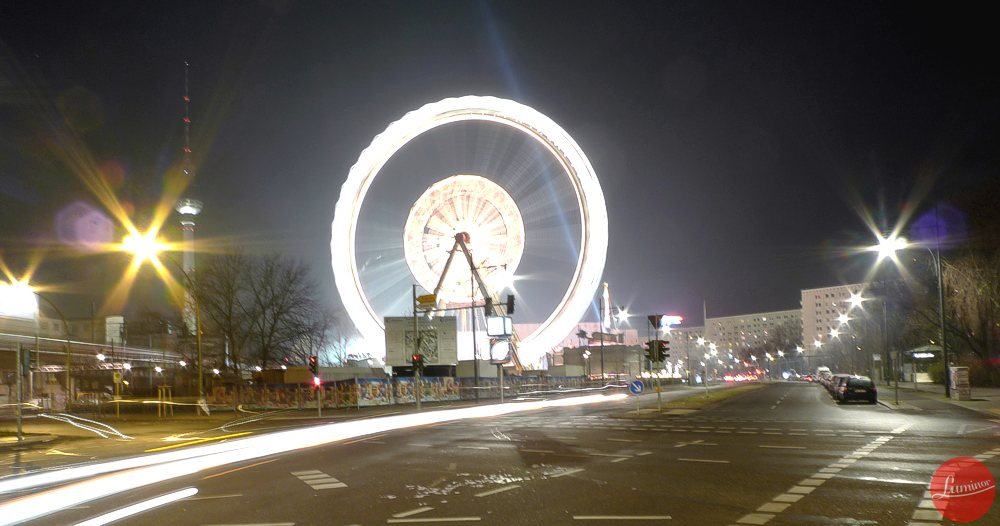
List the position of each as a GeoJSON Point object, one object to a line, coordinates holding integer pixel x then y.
{"type": "Point", "coordinates": [749, 331]}
{"type": "Point", "coordinates": [821, 308]}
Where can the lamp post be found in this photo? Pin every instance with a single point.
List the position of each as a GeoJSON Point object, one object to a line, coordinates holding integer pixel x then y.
{"type": "Point", "coordinates": [887, 248]}
{"type": "Point", "coordinates": [146, 248]}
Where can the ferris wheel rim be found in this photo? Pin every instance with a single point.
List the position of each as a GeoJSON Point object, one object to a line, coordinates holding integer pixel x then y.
{"type": "Point", "coordinates": [576, 166]}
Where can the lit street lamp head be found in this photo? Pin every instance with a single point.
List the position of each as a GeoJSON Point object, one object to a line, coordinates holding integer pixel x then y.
{"type": "Point", "coordinates": [887, 246]}
{"type": "Point", "coordinates": [143, 247]}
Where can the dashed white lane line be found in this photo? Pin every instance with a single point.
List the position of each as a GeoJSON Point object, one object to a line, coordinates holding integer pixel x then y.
{"type": "Point", "coordinates": [318, 480]}
{"type": "Point", "coordinates": [432, 519]}
{"type": "Point", "coordinates": [498, 490]}
{"type": "Point", "coordinates": [567, 472]}
{"type": "Point", "coordinates": [778, 504]}
{"type": "Point", "coordinates": [412, 512]}
{"type": "Point", "coordinates": [621, 517]}
{"type": "Point", "coordinates": [420, 445]}
{"type": "Point", "coordinates": [622, 459]}
{"type": "Point", "coordinates": [474, 447]}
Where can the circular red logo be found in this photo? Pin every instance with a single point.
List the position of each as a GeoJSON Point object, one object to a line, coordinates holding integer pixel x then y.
{"type": "Point", "coordinates": [963, 489]}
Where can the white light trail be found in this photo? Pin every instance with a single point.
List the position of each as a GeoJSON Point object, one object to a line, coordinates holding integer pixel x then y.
{"type": "Point", "coordinates": [150, 469]}
{"type": "Point", "coordinates": [139, 507]}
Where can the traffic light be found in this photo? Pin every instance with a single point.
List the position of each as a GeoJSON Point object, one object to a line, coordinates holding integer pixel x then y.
{"type": "Point", "coordinates": [314, 365]}
{"type": "Point", "coordinates": [651, 352]}
{"type": "Point", "coordinates": [510, 304]}
{"type": "Point", "coordinates": [664, 349]}
{"type": "Point", "coordinates": [418, 362]}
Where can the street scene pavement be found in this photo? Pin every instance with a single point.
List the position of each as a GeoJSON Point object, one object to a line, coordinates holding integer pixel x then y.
{"type": "Point", "coordinates": [784, 453]}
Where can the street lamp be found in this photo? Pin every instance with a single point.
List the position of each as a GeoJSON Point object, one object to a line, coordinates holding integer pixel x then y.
{"type": "Point", "coordinates": [145, 247]}
{"type": "Point", "coordinates": [887, 248]}
{"type": "Point", "coordinates": [16, 301]}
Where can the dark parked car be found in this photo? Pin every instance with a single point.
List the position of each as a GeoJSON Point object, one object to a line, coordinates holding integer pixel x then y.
{"type": "Point", "coordinates": [858, 388]}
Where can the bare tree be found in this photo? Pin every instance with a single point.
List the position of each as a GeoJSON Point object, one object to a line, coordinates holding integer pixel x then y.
{"type": "Point", "coordinates": [222, 291]}
{"type": "Point", "coordinates": [282, 308]}
{"type": "Point", "coordinates": [314, 341]}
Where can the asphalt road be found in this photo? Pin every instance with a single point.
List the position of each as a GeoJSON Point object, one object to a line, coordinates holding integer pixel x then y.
{"type": "Point", "coordinates": [783, 454]}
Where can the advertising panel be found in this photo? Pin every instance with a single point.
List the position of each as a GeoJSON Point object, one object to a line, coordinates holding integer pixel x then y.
{"type": "Point", "coordinates": [438, 340]}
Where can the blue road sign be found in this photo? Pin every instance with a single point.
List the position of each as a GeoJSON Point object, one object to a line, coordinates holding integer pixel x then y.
{"type": "Point", "coordinates": [636, 387]}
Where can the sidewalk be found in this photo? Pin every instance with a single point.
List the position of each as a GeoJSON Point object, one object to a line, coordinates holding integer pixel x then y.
{"type": "Point", "coordinates": [985, 400]}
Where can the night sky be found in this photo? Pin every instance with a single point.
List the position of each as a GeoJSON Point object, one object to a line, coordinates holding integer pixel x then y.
{"type": "Point", "coordinates": [735, 141]}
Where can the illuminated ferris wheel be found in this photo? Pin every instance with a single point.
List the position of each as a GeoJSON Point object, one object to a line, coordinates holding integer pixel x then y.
{"type": "Point", "coordinates": [479, 204]}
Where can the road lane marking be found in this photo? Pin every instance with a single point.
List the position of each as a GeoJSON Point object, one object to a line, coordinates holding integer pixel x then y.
{"type": "Point", "coordinates": [621, 517]}
{"type": "Point", "coordinates": [474, 447]}
{"type": "Point", "coordinates": [318, 480]}
{"type": "Point", "coordinates": [755, 518]}
{"type": "Point", "coordinates": [139, 507]}
{"type": "Point", "coordinates": [212, 497]}
{"type": "Point", "coordinates": [433, 519]}
{"type": "Point", "coordinates": [498, 490]}
{"type": "Point", "coordinates": [623, 440]}
{"type": "Point", "coordinates": [704, 460]}
{"type": "Point", "coordinates": [412, 512]}
{"type": "Point", "coordinates": [542, 451]}
{"type": "Point", "coordinates": [420, 445]}
{"type": "Point", "coordinates": [567, 472]}
{"type": "Point", "coordinates": [783, 447]}
{"type": "Point", "coordinates": [237, 469]}
{"type": "Point", "coordinates": [900, 429]}
{"type": "Point", "coordinates": [365, 438]}
{"type": "Point", "coordinates": [330, 486]}
{"type": "Point", "coordinates": [198, 441]}
{"type": "Point", "coordinates": [622, 459]}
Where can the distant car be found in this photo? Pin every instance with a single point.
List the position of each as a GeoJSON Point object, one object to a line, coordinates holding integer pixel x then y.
{"type": "Point", "coordinates": [807, 378]}
{"type": "Point", "coordinates": [858, 388]}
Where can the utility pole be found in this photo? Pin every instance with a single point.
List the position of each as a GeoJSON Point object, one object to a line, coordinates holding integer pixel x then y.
{"type": "Point", "coordinates": [20, 435]}
{"type": "Point", "coordinates": [417, 388]}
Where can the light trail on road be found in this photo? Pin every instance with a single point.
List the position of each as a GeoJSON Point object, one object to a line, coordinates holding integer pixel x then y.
{"type": "Point", "coordinates": [123, 475]}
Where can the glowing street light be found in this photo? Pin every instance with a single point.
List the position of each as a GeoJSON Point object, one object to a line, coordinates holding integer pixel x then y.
{"type": "Point", "coordinates": [147, 247]}
{"type": "Point", "coordinates": [834, 333]}
{"type": "Point", "coordinates": [887, 247]}
{"type": "Point", "coordinates": [855, 300]}
{"type": "Point", "coordinates": [843, 318]}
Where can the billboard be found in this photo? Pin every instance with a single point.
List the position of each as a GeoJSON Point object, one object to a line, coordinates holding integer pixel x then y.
{"type": "Point", "coordinates": [438, 340]}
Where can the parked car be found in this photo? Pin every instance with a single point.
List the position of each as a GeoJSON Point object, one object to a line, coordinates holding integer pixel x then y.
{"type": "Point", "coordinates": [833, 385]}
{"type": "Point", "coordinates": [858, 388]}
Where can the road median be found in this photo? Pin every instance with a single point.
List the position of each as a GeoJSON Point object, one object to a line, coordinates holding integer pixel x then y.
{"type": "Point", "coordinates": [693, 400]}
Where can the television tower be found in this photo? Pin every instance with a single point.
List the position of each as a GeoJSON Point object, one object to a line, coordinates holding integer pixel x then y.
{"type": "Point", "coordinates": [188, 208]}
